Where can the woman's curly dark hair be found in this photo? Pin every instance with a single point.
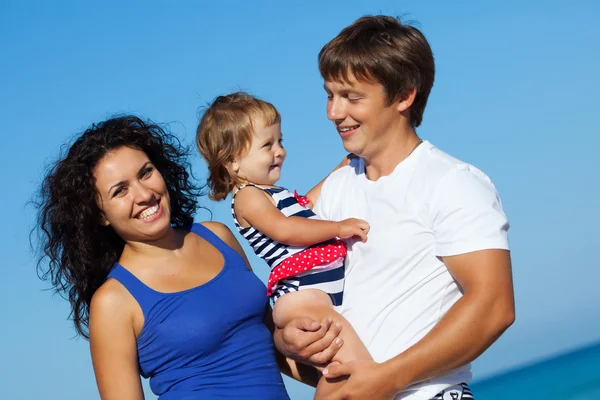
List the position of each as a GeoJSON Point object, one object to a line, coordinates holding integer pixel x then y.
{"type": "Point", "coordinates": [81, 252]}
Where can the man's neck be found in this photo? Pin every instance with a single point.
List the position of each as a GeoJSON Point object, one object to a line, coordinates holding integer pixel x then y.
{"type": "Point", "coordinates": [393, 151]}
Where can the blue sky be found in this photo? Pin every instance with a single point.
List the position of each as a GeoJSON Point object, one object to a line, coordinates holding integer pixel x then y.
{"type": "Point", "coordinates": [515, 95]}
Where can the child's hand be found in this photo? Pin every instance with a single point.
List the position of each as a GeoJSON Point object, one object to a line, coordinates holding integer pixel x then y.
{"type": "Point", "coordinates": [353, 227]}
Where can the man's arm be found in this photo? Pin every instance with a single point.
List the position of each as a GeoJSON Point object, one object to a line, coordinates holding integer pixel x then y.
{"type": "Point", "coordinates": [475, 321]}
{"type": "Point", "coordinates": [470, 229]}
{"type": "Point", "coordinates": [309, 342]}
{"type": "Point", "coordinates": [472, 324]}
{"type": "Point", "coordinates": [314, 193]}
{"type": "Point", "coordinates": [324, 333]}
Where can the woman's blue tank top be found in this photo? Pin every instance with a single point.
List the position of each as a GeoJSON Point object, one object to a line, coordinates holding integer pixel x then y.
{"type": "Point", "coordinates": [211, 341]}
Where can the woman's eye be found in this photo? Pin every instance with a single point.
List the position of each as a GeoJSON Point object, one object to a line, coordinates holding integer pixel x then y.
{"type": "Point", "coordinates": [147, 172]}
{"type": "Point", "coordinates": [118, 192]}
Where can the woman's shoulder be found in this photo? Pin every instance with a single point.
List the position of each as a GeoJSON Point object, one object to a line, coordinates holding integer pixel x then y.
{"type": "Point", "coordinates": [109, 297]}
{"type": "Point", "coordinates": [112, 316]}
{"type": "Point", "coordinates": [219, 229]}
{"type": "Point", "coordinates": [225, 234]}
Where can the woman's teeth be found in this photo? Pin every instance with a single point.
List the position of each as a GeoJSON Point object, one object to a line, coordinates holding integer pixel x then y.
{"type": "Point", "coordinates": [149, 212]}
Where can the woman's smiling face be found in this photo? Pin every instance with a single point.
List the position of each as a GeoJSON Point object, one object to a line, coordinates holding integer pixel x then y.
{"type": "Point", "coordinates": [132, 195]}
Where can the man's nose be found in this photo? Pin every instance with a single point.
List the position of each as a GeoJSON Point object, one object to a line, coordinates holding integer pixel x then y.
{"type": "Point", "coordinates": [335, 109]}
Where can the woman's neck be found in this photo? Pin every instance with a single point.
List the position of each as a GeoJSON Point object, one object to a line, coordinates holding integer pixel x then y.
{"type": "Point", "coordinates": [171, 242]}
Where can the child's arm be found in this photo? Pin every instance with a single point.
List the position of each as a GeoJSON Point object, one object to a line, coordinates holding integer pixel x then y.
{"type": "Point", "coordinates": [256, 209]}
{"type": "Point", "coordinates": [313, 194]}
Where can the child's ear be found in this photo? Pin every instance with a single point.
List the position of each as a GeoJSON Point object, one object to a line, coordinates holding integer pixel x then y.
{"type": "Point", "coordinates": [234, 166]}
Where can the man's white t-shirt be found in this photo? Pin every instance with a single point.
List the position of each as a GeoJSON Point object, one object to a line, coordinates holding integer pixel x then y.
{"type": "Point", "coordinates": [397, 288]}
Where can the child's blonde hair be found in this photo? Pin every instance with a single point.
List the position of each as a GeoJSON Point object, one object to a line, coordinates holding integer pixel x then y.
{"type": "Point", "coordinates": [225, 133]}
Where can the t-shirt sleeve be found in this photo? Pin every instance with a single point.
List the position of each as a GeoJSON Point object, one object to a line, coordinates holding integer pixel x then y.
{"type": "Point", "coordinates": [466, 214]}
{"type": "Point", "coordinates": [321, 205]}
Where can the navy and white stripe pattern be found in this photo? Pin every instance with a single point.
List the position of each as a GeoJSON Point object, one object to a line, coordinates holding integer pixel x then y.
{"type": "Point", "coordinates": [328, 278]}
{"type": "Point", "coordinates": [266, 248]}
{"type": "Point", "coordinates": [456, 392]}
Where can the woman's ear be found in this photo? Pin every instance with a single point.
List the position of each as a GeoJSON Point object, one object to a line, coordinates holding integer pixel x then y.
{"type": "Point", "coordinates": [103, 220]}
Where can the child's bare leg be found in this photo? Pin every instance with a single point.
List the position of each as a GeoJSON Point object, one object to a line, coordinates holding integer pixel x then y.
{"type": "Point", "coordinates": [317, 305]}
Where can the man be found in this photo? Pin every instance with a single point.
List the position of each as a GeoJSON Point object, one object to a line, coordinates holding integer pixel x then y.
{"type": "Point", "coordinates": [432, 288]}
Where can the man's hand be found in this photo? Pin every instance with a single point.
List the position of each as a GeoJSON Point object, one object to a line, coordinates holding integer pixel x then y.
{"type": "Point", "coordinates": [365, 380]}
{"type": "Point", "coordinates": [308, 341]}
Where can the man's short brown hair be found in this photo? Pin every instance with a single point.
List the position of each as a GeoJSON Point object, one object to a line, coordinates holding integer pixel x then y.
{"type": "Point", "coordinates": [382, 49]}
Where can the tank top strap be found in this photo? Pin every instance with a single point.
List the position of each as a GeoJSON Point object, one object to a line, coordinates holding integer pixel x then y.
{"type": "Point", "coordinates": [214, 240]}
{"type": "Point", "coordinates": [145, 296]}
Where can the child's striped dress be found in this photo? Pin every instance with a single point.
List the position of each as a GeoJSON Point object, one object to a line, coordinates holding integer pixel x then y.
{"type": "Point", "coordinates": [293, 268]}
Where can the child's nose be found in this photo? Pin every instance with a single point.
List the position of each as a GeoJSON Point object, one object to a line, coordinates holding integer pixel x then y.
{"type": "Point", "coordinates": [280, 152]}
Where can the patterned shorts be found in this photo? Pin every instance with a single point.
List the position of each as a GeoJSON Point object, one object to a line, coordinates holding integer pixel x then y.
{"type": "Point", "coordinates": [456, 392]}
{"type": "Point", "coordinates": [328, 278]}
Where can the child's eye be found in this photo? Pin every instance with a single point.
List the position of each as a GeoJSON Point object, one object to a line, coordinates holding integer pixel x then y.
{"type": "Point", "coordinates": [267, 145]}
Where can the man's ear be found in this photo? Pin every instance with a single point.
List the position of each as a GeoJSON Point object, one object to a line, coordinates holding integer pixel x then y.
{"type": "Point", "coordinates": [406, 100]}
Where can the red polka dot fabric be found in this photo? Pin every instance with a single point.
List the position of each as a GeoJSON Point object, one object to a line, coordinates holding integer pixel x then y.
{"type": "Point", "coordinates": [305, 261]}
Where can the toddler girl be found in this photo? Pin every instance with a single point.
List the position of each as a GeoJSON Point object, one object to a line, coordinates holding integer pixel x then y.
{"type": "Point", "coordinates": [240, 138]}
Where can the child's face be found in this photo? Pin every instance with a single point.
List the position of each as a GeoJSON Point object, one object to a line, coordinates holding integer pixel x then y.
{"type": "Point", "coordinates": [262, 164]}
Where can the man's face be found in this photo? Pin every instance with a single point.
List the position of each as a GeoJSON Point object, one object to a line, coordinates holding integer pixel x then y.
{"type": "Point", "coordinates": [360, 114]}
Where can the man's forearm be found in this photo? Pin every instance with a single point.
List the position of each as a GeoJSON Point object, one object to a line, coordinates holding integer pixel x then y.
{"type": "Point", "coordinates": [466, 331]}
{"type": "Point", "coordinates": [312, 343]}
{"type": "Point", "coordinates": [295, 370]}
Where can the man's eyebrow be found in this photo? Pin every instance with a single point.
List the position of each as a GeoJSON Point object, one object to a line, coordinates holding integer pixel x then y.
{"type": "Point", "coordinates": [345, 90]}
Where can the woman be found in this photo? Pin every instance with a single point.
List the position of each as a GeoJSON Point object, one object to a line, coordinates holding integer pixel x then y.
{"type": "Point", "coordinates": [156, 294]}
